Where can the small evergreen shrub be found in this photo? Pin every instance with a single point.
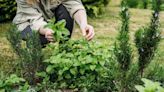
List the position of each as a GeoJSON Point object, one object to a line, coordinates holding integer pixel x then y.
{"type": "Point", "coordinates": [123, 51]}
{"type": "Point", "coordinates": [29, 52]}
{"type": "Point", "coordinates": [148, 38]}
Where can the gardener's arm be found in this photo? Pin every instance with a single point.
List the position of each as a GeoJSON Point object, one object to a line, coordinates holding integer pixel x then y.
{"type": "Point", "coordinates": [87, 30]}
{"type": "Point", "coordinates": [77, 11]}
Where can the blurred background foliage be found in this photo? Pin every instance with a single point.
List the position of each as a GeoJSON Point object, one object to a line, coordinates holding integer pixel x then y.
{"type": "Point", "coordinates": [8, 8]}
{"type": "Point", "coordinates": [94, 7]}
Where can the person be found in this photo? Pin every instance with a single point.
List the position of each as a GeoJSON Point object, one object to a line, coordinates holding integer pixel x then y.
{"type": "Point", "coordinates": [34, 15]}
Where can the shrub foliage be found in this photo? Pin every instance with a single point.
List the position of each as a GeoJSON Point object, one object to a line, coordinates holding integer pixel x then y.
{"type": "Point", "coordinates": [8, 8]}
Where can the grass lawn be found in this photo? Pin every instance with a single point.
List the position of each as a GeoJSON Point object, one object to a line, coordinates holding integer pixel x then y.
{"type": "Point", "coordinates": [106, 28]}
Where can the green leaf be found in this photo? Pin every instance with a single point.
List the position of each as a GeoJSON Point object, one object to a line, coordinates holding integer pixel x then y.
{"type": "Point", "coordinates": [60, 72]}
{"type": "Point", "coordinates": [82, 71]}
{"type": "Point", "coordinates": [160, 89]}
{"type": "Point", "coordinates": [50, 69]}
{"type": "Point", "coordinates": [140, 88]}
{"type": "Point", "coordinates": [68, 76]}
{"type": "Point", "coordinates": [41, 74]}
{"type": "Point", "coordinates": [102, 63]}
{"type": "Point", "coordinates": [73, 71]}
{"type": "Point", "coordinates": [2, 90]}
{"type": "Point", "coordinates": [150, 85]}
{"type": "Point", "coordinates": [92, 67]}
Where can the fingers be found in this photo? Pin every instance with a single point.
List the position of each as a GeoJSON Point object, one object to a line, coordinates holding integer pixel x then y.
{"type": "Point", "coordinates": [91, 37]}
{"type": "Point", "coordinates": [49, 35]}
{"type": "Point", "coordinates": [49, 38]}
{"type": "Point", "coordinates": [90, 32]}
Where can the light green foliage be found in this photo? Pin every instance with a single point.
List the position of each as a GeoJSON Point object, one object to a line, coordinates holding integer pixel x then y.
{"type": "Point", "coordinates": [76, 64]}
{"type": "Point", "coordinates": [60, 32]}
{"type": "Point", "coordinates": [149, 86]}
{"type": "Point", "coordinates": [14, 84]}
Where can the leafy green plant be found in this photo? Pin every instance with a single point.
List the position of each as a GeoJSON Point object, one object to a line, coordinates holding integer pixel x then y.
{"type": "Point", "coordinates": [14, 84]}
{"type": "Point", "coordinates": [60, 32]}
{"type": "Point", "coordinates": [76, 64]}
{"type": "Point", "coordinates": [149, 86]}
{"type": "Point", "coordinates": [147, 39]}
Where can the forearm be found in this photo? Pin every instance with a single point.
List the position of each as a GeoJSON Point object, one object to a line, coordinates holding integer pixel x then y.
{"type": "Point", "coordinates": [81, 18]}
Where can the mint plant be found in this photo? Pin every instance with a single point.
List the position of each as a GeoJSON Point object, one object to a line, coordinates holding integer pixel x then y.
{"type": "Point", "coordinates": [60, 32]}
{"type": "Point", "coordinates": [13, 83]}
{"type": "Point", "coordinates": [76, 64]}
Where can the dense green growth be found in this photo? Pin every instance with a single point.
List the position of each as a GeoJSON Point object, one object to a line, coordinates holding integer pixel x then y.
{"type": "Point", "coordinates": [14, 84]}
{"type": "Point", "coordinates": [147, 39]}
{"type": "Point", "coordinates": [123, 50]}
{"type": "Point", "coordinates": [7, 9]}
{"type": "Point", "coordinates": [79, 65]}
{"type": "Point", "coordinates": [29, 52]}
{"type": "Point", "coordinates": [74, 64]}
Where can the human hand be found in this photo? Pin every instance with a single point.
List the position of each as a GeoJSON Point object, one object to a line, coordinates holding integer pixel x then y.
{"type": "Point", "coordinates": [88, 32]}
{"type": "Point", "coordinates": [48, 33]}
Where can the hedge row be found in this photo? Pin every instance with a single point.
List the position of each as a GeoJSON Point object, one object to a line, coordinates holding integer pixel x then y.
{"type": "Point", "coordinates": [93, 7]}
